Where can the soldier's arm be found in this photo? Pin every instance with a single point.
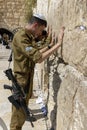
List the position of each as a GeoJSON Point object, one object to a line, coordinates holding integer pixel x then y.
{"type": "Point", "coordinates": [47, 53]}
{"type": "Point", "coordinates": [51, 40]}
{"type": "Point", "coordinates": [46, 48]}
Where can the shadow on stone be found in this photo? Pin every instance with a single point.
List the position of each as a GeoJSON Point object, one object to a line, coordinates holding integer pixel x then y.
{"type": "Point", "coordinates": [3, 125]}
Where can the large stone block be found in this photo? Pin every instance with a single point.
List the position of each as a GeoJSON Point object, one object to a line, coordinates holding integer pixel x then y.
{"type": "Point", "coordinates": [73, 15]}
{"type": "Point", "coordinates": [72, 101]}
{"type": "Point", "coordinates": [74, 49]}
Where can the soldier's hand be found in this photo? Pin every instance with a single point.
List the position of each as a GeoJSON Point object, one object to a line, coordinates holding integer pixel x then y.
{"type": "Point", "coordinates": [61, 35]}
{"type": "Point", "coordinates": [53, 38]}
{"type": "Point", "coordinates": [49, 31]}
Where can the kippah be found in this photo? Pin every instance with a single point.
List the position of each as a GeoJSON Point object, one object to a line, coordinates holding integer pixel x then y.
{"type": "Point", "coordinates": [40, 16]}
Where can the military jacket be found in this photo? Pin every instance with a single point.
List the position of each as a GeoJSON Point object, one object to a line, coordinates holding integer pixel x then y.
{"type": "Point", "coordinates": [25, 54]}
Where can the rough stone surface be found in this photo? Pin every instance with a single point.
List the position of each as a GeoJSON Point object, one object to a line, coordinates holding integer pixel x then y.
{"type": "Point", "coordinates": [13, 14]}
{"type": "Point", "coordinates": [71, 14]}
{"type": "Point", "coordinates": [72, 113]}
{"type": "Point", "coordinates": [67, 84]}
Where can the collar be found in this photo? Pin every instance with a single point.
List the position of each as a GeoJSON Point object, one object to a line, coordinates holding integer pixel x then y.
{"type": "Point", "coordinates": [29, 34]}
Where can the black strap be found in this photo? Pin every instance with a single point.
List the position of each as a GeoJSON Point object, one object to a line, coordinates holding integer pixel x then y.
{"type": "Point", "coordinates": [10, 59]}
{"type": "Point", "coordinates": [26, 88]}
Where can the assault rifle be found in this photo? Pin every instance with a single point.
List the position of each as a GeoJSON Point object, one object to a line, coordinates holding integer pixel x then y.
{"type": "Point", "coordinates": [18, 96]}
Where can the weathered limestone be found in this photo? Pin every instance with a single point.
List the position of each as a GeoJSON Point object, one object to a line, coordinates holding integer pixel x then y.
{"type": "Point", "coordinates": [72, 97]}
{"type": "Point", "coordinates": [67, 83]}
{"type": "Point", "coordinates": [72, 15]}
{"type": "Point", "coordinates": [14, 14]}
{"type": "Point", "coordinates": [9, 10]}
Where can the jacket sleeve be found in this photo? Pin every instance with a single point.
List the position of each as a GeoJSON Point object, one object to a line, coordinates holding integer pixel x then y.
{"type": "Point", "coordinates": [25, 47]}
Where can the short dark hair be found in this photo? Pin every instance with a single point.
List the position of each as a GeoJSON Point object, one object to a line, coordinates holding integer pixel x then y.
{"type": "Point", "coordinates": [39, 21]}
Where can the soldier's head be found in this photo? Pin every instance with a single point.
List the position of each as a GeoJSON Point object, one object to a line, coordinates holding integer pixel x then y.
{"type": "Point", "coordinates": [42, 36]}
{"type": "Point", "coordinates": [37, 23]}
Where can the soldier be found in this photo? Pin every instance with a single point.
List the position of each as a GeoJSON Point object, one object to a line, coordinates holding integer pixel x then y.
{"type": "Point", "coordinates": [26, 54]}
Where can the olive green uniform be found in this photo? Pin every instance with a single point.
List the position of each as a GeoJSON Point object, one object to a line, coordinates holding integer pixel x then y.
{"type": "Point", "coordinates": [26, 54]}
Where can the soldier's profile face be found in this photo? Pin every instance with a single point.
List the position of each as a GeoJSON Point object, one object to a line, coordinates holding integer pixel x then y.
{"type": "Point", "coordinates": [39, 30]}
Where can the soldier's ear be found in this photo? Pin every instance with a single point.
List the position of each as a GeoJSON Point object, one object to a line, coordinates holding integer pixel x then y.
{"type": "Point", "coordinates": [35, 24]}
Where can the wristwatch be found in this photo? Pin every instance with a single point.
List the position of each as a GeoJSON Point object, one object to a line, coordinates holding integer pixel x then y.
{"type": "Point", "coordinates": [49, 46]}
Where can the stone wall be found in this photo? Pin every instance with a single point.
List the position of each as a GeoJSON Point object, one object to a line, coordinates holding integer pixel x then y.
{"type": "Point", "coordinates": [14, 14]}
{"type": "Point", "coordinates": [67, 107]}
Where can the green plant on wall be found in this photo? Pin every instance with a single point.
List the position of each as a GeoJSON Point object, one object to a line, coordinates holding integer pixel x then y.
{"type": "Point", "coordinates": [30, 4]}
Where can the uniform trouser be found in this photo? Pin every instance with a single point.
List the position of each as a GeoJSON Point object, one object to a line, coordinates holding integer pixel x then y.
{"type": "Point", "coordinates": [18, 117]}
